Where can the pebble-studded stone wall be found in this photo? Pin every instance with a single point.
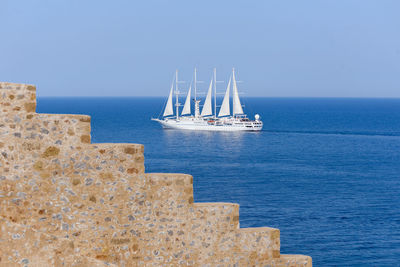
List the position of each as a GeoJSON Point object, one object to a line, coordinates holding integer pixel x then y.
{"type": "Point", "coordinates": [67, 202]}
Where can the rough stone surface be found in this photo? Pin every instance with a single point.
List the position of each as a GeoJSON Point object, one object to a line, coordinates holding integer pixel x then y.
{"type": "Point", "coordinates": [67, 202]}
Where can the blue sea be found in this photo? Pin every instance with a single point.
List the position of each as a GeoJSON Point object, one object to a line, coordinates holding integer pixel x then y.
{"type": "Point", "coordinates": [325, 171]}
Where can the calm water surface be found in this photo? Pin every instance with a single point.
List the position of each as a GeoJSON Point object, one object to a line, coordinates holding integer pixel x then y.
{"type": "Point", "coordinates": [326, 172]}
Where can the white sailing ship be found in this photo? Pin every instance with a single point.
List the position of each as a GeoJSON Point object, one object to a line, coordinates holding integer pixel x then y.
{"type": "Point", "coordinates": [208, 119]}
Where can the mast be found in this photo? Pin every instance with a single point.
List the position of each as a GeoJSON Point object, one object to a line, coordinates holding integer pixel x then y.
{"type": "Point", "coordinates": [215, 93]}
{"type": "Point", "coordinates": [176, 95]}
{"type": "Point", "coordinates": [195, 84]}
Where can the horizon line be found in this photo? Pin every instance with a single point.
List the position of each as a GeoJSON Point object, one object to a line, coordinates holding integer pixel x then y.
{"type": "Point", "coordinates": [139, 96]}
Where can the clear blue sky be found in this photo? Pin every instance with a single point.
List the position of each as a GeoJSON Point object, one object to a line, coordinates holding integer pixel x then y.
{"type": "Point", "coordinates": [325, 48]}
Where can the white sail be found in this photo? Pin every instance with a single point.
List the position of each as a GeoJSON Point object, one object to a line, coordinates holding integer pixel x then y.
{"type": "Point", "coordinates": [186, 108]}
{"type": "Point", "coordinates": [207, 108]}
{"type": "Point", "coordinates": [169, 110]}
{"type": "Point", "coordinates": [237, 106]}
{"type": "Point", "coordinates": [225, 109]}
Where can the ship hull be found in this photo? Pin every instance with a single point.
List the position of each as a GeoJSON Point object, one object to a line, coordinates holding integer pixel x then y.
{"type": "Point", "coordinates": [201, 125]}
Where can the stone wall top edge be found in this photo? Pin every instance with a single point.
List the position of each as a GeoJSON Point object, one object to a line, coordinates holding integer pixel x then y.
{"type": "Point", "coordinates": [297, 257]}
{"type": "Point", "coordinates": [294, 256]}
{"type": "Point", "coordinates": [116, 144]}
{"type": "Point", "coordinates": [258, 229]}
{"type": "Point", "coordinates": [128, 148]}
{"type": "Point", "coordinates": [78, 116]}
{"type": "Point", "coordinates": [210, 204]}
{"type": "Point", "coordinates": [185, 179]}
{"type": "Point", "coordinates": [162, 175]}
{"type": "Point", "coordinates": [17, 86]}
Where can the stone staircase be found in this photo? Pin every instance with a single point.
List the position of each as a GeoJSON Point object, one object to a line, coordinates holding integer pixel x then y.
{"type": "Point", "coordinates": [67, 202]}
